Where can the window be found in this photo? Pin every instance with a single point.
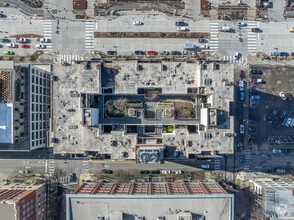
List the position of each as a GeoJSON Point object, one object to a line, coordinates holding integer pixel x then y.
{"type": "Point", "coordinates": [33, 79]}
{"type": "Point", "coordinates": [21, 134]}
{"type": "Point", "coordinates": [33, 88]}
{"type": "Point", "coordinates": [33, 135]}
{"type": "Point", "coordinates": [33, 107]}
{"type": "Point", "coordinates": [33, 98]}
{"type": "Point", "coordinates": [21, 115]}
{"type": "Point", "coordinates": [16, 128]}
{"type": "Point", "coordinates": [37, 98]}
{"type": "Point", "coordinates": [21, 95]}
{"type": "Point", "coordinates": [37, 80]}
{"type": "Point", "coordinates": [37, 89]}
{"type": "Point", "coordinates": [37, 126]}
{"type": "Point", "coordinates": [16, 109]}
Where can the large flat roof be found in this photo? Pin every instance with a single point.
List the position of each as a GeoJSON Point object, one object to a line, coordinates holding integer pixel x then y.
{"type": "Point", "coordinates": [6, 123]}
{"type": "Point", "coordinates": [150, 206]}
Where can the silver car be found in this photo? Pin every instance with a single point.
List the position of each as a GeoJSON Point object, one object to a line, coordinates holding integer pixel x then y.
{"type": "Point", "coordinates": [292, 123]}
{"type": "Point", "coordinates": [164, 53]}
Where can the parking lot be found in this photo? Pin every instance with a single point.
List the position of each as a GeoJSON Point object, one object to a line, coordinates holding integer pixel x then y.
{"type": "Point", "coordinates": [268, 113]}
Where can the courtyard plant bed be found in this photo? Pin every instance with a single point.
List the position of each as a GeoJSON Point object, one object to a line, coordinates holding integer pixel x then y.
{"type": "Point", "coordinates": [193, 35]}
{"type": "Point", "coordinates": [168, 129]}
{"type": "Point", "coordinates": [152, 94]}
{"type": "Point", "coordinates": [135, 103]}
{"type": "Point", "coordinates": [165, 103]}
{"type": "Point", "coordinates": [184, 110]}
{"type": "Point", "coordinates": [116, 108]}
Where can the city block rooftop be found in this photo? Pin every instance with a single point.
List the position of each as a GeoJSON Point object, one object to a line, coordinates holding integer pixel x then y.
{"type": "Point", "coordinates": [122, 109]}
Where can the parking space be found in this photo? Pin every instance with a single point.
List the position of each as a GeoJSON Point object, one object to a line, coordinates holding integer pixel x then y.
{"type": "Point", "coordinates": [270, 116]}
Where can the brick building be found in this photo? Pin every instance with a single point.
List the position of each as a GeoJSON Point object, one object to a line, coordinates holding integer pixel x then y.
{"type": "Point", "coordinates": [22, 202]}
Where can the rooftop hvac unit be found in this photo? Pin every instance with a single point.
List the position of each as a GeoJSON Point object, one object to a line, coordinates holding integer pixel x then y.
{"type": "Point", "coordinates": [144, 157]}
{"type": "Point", "coordinates": [154, 157]}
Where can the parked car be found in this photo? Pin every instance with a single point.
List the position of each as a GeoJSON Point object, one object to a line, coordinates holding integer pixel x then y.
{"type": "Point", "coordinates": [25, 46]}
{"type": "Point", "coordinates": [205, 166]}
{"type": "Point", "coordinates": [180, 23]}
{"type": "Point", "coordinates": [151, 52]}
{"type": "Point", "coordinates": [111, 52]}
{"type": "Point", "coordinates": [55, 78]}
{"type": "Point", "coordinates": [8, 52]}
{"type": "Point", "coordinates": [244, 161]}
{"type": "Point", "coordinates": [283, 115]}
{"type": "Point", "coordinates": [155, 172]}
{"type": "Point", "coordinates": [164, 52]}
{"type": "Point", "coordinates": [289, 121]}
{"type": "Point", "coordinates": [277, 151]}
{"type": "Point", "coordinates": [40, 46]}
{"type": "Point", "coordinates": [256, 30]}
{"type": "Point", "coordinates": [242, 74]}
{"type": "Point", "coordinates": [72, 126]}
{"type": "Point", "coordinates": [165, 171]}
{"type": "Point", "coordinates": [204, 47]}
{"type": "Point", "coordinates": [4, 40]}
{"type": "Point", "coordinates": [242, 129]}
{"type": "Point", "coordinates": [137, 23]}
{"type": "Point", "coordinates": [22, 40]}
{"type": "Point", "coordinates": [201, 40]}
{"type": "Point", "coordinates": [11, 45]}
{"type": "Point", "coordinates": [177, 172]}
{"type": "Point", "coordinates": [106, 171]}
{"type": "Point", "coordinates": [139, 52]}
{"type": "Point", "coordinates": [274, 54]}
{"type": "Point", "coordinates": [256, 72]}
{"type": "Point", "coordinates": [182, 28]}
{"type": "Point", "coordinates": [187, 52]}
{"type": "Point", "coordinates": [282, 95]}
{"type": "Point", "coordinates": [255, 97]}
{"type": "Point", "coordinates": [176, 53]}
{"type": "Point", "coordinates": [255, 80]}
{"type": "Point", "coordinates": [254, 91]}
{"type": "Point", "coordinates": [285, 122]}
{"type": "Point", "coordinates": [45, 40]}
{"type": "Point", "coordinates": [283, 54]}
{"type": "Point", "coordinates": [292, 123]}
{"type": "Point", "coordinates": [242, 96]}
{"type": "Point", "coordinates": [144, 171]}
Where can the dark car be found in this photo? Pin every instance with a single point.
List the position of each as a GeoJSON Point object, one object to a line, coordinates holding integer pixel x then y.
{"type": "Point", "coordinates": [254, 91]}
{"type": "Point", "coordinates": [155, 172]}
{"type": "Point", "coordinates": [71, 110]}
{"type": "Point", "coordinates": [65, 63]}
{"type": "Point", "coordinates": [202, 40]}
{"type": "Point", "coordinates": [139, 52]}
{"type": "Point", "coordinates": [87, 65]}
{"type": "Point", "coordinates": [111, 52]}
{"type": "Point", "coordinates": [176, 53]}
{"type": "Point", "coordinates": [283, 54]}
{"type": "Point", "coordinates": [55, 78]}
{"type": "Point", "coordinates": [180, 23]}
{"type": "Point", "coordinates": [256, 30]}
{"type": "Point", "coordinates": [106, 171]}
{"type": "Point", "coordinates": [4, 40]}
{"type": "Point", "coordinates": [144, 172]}
{"type": "Point", "coordinates": [72, 177]}
{"type": "Point", "coordinates": [256, 72]}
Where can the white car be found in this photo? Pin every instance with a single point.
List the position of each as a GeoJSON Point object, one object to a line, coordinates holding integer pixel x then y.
{"type": "Point", "coordinates": [44, 40]}
{"type": "Point", "coordinates": [10, 45]}
{"type": "Point", "coordinates": [241, 129]}
{"type": "Point", "coordinates": [224, 28]}
{"type": "Point", "coordinates": [277, 151]}
{"type": "Point", "coordinates": [41, 46]}
{"type": "Point", "coordinates": [242, 24]}
{"type": "Point", "coordinates": [289, 121]}
{"type": "Point", "coordinates": [178, 172]}
{"type": "Point", "coordinates": [283, 96]}
{"type": "Point", "coordinates": [182, 29]}
{"type": "Point", "coordinates": [22, 40]}
{"type": "Point", "coordinates": [165, 171]}
{"type": "Point", "coordinates": [137, 23]}
{"type": "Point", "coordinates": [204, 46]}
{"type": "Point", "coordinates": [292, 123]}
{"type": "Point", "coordinates": [236, 56]}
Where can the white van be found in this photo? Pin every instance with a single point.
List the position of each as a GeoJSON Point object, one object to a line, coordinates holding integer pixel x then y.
{"type": "Point", "coordinates": [241, 85]}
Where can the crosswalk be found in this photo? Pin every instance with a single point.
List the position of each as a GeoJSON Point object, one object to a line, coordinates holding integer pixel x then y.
{"type": "Point", "coordinates": [47, 33]}
{"type": "Point", "coordinates": [247, 165]}
{"type": "Point", "coordinates": [231, 59]}
{"type": "Point", "coordinates": [251, 39]}
{"type": "Point", "coordinates": [86, 166]}
{"type": "Point", "coordinates": [217, 164]}
{"type": "Point", "coordinates": [69, 57]}
{"type": "Point", "coordinates": [51, 164]}
{"type": "Point", "coordinates": [89, 35]}
{"type": "Point", "coordinates": [213, 29]}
